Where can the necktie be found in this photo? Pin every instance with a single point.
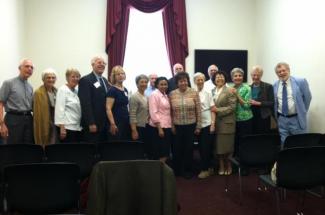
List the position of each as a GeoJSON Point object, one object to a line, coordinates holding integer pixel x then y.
{"type": "Point", "coordinates": [102, 83]}
{"type": "Point", "coordinates": [285, 109]}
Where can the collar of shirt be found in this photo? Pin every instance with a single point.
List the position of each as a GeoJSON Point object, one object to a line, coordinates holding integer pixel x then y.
{"type": "Point", "coordinates": [97, 76]}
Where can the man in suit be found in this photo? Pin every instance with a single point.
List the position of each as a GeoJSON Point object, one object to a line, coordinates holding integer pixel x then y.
{"type": "Point", "coordinates": [92, 94]}
{"type": "Point", "coordinates": [172, 85]}
{"type": "Point", "coordinates": [262, 102]}
{"type": "Point", "coordinates": [171, 82]}
{"type": "Point", "coordinates": [292, 100]}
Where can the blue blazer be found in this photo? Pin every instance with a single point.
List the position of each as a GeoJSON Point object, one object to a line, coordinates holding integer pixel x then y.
{"type": "Point", "coordinates": [301, 95]}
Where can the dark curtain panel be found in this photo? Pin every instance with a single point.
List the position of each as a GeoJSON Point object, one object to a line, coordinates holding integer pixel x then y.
{"type": "Point", "coordinates": [174, 19]}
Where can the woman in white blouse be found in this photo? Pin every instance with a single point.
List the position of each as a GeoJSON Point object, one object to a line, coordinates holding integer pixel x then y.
{"type": "Point", "coordinates": [207, 125]}
{"type": "Point", "coordinates": [67, 108]}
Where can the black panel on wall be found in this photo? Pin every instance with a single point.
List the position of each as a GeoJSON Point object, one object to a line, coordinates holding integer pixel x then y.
{"type": "Point", "coordinates": [225, 60]}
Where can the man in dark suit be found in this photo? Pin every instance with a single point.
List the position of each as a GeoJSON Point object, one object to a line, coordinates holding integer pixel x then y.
{"type": "Point", "coordinates": [262, 102]}
{"type": "Point", "coordinates": [172, 85]}
{"type": "Point", "coordinates": [292, 100]}
{"type": "Point", "coordinates": [171, 82]}
{"type": "Point", "coordinates": [92, 94]}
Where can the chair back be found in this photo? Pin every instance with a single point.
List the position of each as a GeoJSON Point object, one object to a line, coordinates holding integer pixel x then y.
{"type": "Point", "coordinates": [19, 154]}
{"type": "Point", "coordinates": [42, 188]}
{"type": "Point", "coordinates": [322, 140]}
{"type": "Point", "coordinates": [303, 140]}
{"type": "Point", "coordinates": [301, 167]}
{"type": "Point", "coordinates": [259, 150]}
{"type": "Point", "coordinates": [83, 154]}
{"type": "Point", "coordinates": [140, 187]}
{"type": "Point", "coordinates": [121, 150]}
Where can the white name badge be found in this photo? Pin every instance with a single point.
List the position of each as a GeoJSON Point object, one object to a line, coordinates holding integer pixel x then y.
{"type": "Point", "coordinates": [97, 84]}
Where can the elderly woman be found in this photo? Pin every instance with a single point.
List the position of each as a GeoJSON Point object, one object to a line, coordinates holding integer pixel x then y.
{"type": "Point", "coordinates": [160, 121]}
{"type": "Point", "coordinates": [117, 106]}
{"type": "Point", "coordinates": [43, 109]}
{"type": "Point", "coordinates": [262, 102]}
{"type": "Point", "coordinates": [139, 111]}
{"type": "Point", "coordinates": [67, 108]}
{"type": "Point", "coordinates": [244, 114]}
{"type": "Point", "coordinates": [186, 116]}
{"type": "Point", "coordinates": [207, 124]}
{"type": "Point", "coordinates": [225, 102]}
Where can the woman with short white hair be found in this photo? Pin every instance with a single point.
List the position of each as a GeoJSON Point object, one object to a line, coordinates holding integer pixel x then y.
{"type": "Point", "coordinates": [43, 109]}
{"type": "Point", "coordinates": [207, 124]}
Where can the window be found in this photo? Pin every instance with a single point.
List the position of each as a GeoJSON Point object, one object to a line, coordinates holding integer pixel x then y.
{"type": "Point", "coordinates": [146, 50]}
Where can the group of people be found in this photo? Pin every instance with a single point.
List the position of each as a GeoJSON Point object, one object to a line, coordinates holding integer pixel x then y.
{"type": "Point", "coordinates": [166, 116]}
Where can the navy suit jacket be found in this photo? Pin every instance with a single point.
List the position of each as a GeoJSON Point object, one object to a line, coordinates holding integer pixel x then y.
{"type": "Point", "coordinates": [301, 95]}
{"type": "Point", "coordinates": [93, 102]}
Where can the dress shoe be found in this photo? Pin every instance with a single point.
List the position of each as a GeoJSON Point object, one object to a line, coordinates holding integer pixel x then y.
{"type": "Point", "coordinates": [203, 174]}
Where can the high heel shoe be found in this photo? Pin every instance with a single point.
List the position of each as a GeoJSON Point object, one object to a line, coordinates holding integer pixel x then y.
{"type": "Point", "coordinates": [228, 171]}
{"type": "Point", "coordinates": [221, 172]}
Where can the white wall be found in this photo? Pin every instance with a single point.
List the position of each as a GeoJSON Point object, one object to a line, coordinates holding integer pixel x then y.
{"type": "Point", "coordinates": [11, 37]}
{"type": "Point", "coordinates": [220, 24]}
{"type": "Point", "coordinates": [293, 31]}
{"type": "Point", "coordinates": [63, 34]}
{"type": "Point", "coordinates": [67, 33]}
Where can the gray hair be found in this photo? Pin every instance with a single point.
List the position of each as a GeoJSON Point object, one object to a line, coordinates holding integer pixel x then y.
{"type": "Point", "coordinates": [48, 71]}
{"type": "Point", "coordinates": [286, 65]}
{"type": "Point", "coordinates": [198, 74]}
{"type": "Point", "coordinates": [23, 60]}
{"type": "Point", "coordinates": [98, 57]}
{"type": "Point", "coordinates": [236, 70]}
{"type": "Point", "coordinates": [213, 65]}
{"type": "Point", "coordinates": [257, 68]}
{"type": "Point", "coordinates": [140, 77]}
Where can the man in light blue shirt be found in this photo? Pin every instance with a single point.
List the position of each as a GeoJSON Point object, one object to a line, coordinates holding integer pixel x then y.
{"type": "Point", "coordinates": [152, 79]}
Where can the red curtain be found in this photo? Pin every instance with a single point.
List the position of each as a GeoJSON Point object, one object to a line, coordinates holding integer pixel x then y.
{"type": "Point", "coordinates": [174, 19]}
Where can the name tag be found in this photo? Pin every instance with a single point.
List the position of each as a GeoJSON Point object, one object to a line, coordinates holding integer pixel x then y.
{"type": "Point", "coordinates": [97, 84]}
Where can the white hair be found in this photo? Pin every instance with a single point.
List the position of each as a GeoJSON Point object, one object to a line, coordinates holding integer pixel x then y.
{"type": "Point", "coordinates": [213, 65]}
{"type": "Point", "coordinates": [198, 74]}
{"type": "Point", "coordinates": [257, 68]}
{"type": "Point", "coordinates": [22, 61]}
{"type": "Point", "coordinates": [98, 57]}
{"type": "Point", "coordinates": [48, 71]}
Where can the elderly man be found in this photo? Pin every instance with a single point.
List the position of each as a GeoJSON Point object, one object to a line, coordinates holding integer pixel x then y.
{"type": "Point", "coordinates": [171, 82]}
{"type": "Point", "coordinates": [292, 100]}
{"type": "Point", "coordinates": [262, 102]}
{"type": "Point", "coordinates": [209, 85]}
{"type": "Point", "coordinates": [152, 79]}
{"type": "Point", "coordinates": [16, 96]}
{"type": "Point", "coordinates": [92, 93]}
